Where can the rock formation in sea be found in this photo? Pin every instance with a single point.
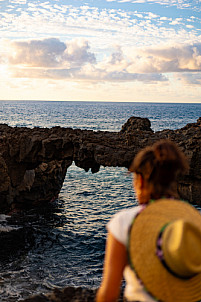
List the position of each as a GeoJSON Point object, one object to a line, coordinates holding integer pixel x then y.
{"type": "Point", "coordinates": [68, 294]}
{"type": "Point", "coordinates": [34, 162]}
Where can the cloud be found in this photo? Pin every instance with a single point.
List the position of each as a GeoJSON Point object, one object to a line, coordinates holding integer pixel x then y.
{"type": "Point", "coordinates": [91, 74]}
{"type": "Point", "coordinates": [152, 16]}
{"type": "Point", "coordinates": [18, 1]}
{"type": "Point", "coordinates": [181, 4]}
{"type": "Point", "coordinates": [38, 19]}
{"type": "Point", "coordinates": [115, 62]}
{"type": "Point", "coordinates": [77, 53]}
{"type": "Point", "coordinates": [129, 77]}
{"type": "Point", "coordinates": [53, 59]}
{"type": "Point", "coordinates": [44, 73]}
{"type": "Point", "coordinates": [37, 53]}
{"type": "Point", "coordinates": [50, 52]}
{"type": "Point", "coordinates": [176, 21]}
{"type": "Point", "coordinates": [191, 78]}
{"type": "Point", "coordinates": [189, 26]}
{"type": "Point", "coordinates": [177, 58]}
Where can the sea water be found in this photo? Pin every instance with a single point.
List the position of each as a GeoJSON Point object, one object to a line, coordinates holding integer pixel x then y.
{"type": "Point", "coordinates": [68, 237]}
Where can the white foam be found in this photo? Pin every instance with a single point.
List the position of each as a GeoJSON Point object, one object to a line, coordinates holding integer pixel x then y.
{"type": "Point", "coordinates": [6, 229]}
{"type": "Point", "coordinates": [4, 217]}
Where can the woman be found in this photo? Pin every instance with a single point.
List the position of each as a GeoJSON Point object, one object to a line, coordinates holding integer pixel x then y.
{"type": "Point", "coordinates": [154, 271]}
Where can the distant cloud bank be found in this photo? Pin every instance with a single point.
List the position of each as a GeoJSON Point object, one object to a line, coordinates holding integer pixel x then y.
{"type": "Point", "coordinates": [53, 59]}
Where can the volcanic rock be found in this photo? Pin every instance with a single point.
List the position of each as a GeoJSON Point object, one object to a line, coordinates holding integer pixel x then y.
{"type": "Point", "coordinates": [34, 162]}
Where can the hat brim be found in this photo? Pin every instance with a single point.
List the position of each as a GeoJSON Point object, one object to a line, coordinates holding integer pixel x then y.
{"type": "Point", "coordinates": [158, 281]}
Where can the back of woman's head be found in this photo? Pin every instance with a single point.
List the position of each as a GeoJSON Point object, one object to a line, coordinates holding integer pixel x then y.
{"type": "Point", "coordinates": [160, 165]}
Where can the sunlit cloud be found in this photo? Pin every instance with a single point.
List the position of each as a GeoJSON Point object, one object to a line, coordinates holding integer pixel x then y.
{"type": "Point", "coordinates": [54, 59]}
{"type": "Point", "coordinates": [175, 58]}
{"type": "Point", "coordinates": [37, 53]}
{"type": "Point", "coordinates": [50, 53]}
{"type": "Point", "coordinates": [126, 43]}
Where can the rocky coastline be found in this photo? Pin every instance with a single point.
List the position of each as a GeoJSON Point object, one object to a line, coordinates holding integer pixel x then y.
{"type": "Point", "coordinates": [34, 162]}
{"type": "Point", "coordinates": [69, 294]}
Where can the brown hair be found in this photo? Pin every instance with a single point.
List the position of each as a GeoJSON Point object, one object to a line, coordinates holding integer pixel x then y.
{"type": "Point", "coordinates": [160, 165]}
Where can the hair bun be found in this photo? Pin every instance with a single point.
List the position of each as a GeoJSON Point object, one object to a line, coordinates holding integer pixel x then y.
{"type": "Point", "coordinates": [167, 153]}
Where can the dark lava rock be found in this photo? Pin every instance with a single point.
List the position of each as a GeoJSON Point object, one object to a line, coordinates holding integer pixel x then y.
{"type": "Point", "coordinates": [68, 294]}
{"type": "Point", "coordinates": [34, 162]}
{"type": "Point", "coordinates": [137, 124]}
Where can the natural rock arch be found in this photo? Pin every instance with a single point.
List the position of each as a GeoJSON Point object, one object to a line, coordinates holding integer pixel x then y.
{"type": "Point", "coordinates": [33, 162]}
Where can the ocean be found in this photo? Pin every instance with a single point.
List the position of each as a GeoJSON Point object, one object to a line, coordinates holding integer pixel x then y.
{"type": "Point", "coordinates": [68, 236]}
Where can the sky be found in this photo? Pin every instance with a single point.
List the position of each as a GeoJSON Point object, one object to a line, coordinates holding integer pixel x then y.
{"type": "Point", "coordinates": [103, 50]}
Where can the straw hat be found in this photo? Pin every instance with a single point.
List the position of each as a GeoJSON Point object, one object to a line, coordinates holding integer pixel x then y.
{"type": "Point", "coordinates": [165, 250]}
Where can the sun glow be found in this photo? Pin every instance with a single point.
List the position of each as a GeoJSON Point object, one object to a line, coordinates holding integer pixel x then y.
{"type": "Point", "coordinates": [4, 72]}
